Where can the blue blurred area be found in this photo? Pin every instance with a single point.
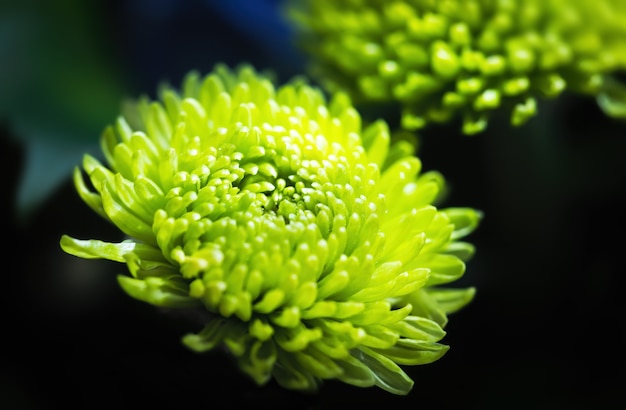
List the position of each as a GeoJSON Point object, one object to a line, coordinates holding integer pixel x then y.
{"type": "Point", "coordinates": [163, 40]}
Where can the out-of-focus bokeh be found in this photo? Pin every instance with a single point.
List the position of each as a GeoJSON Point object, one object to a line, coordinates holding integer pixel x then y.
{"type": "Point", "coordinates": [546, 329]}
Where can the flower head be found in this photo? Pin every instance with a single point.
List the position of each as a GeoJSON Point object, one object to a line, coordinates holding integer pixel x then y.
{"type": "Point", "coordinates": [449, 59]}
{"type": "Point", "coordinates": [312, 244]}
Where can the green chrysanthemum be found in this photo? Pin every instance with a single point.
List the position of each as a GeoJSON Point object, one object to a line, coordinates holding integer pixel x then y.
{"type": "Point", "coordinates": [313, 246]}
{"type": "Point", "coordinates": [447, 59]}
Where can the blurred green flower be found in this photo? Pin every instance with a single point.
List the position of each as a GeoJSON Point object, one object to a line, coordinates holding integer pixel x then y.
{"type": "Point", "coordinates": [311, 244]}
{"type": "Point", "coordinates": [443, 60]}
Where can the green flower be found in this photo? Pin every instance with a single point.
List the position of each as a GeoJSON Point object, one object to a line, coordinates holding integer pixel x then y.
{"type": "Point", "coordinates": [443, 60]}
{"type": "Point", "coordinates": [312, 245]}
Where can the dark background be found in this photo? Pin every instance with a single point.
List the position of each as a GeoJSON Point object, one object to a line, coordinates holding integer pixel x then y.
{"type": "Point", "coordinates": [546, 329]}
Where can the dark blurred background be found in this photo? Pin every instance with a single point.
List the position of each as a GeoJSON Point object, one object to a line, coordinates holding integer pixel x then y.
{"type": "Point", "coordinates": [545, 331]}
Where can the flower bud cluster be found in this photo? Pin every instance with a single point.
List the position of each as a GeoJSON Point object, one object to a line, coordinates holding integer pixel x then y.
{"type": "Point", "coordinates": [445, 60]}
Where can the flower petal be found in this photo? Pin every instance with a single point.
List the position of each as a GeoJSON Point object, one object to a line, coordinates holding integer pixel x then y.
{"type": "Point", "coordinates": [155, 291]}
{"type": "Point", "coordinates": [389, 376]}
{"type": "Point", "coordinates": [95, 249]}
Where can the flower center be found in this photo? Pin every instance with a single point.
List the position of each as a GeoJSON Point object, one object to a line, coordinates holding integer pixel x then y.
{"type": "Point", "coordinates": [266, 210]}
